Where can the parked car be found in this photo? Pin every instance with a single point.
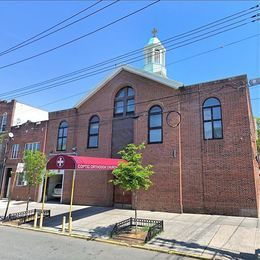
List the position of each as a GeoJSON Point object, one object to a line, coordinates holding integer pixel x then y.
{"type": "Point", "coordinates": [57, 190]}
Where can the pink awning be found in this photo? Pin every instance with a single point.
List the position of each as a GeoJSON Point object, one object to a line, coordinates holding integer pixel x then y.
{"type": "Point", "coordinates": [68, 162]}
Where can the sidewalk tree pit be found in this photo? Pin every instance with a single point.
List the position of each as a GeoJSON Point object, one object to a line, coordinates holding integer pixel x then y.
{"type": "Point", "coordinates": [133, 176]}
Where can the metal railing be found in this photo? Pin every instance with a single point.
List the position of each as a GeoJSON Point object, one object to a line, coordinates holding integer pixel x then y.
{"type": "Point", "coordinates": [155, 226]}
{"type": "Point", "coordinates": [26, 216]}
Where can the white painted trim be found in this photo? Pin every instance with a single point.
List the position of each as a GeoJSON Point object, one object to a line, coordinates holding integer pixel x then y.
{"type": "Point", "coordinates": [165, 81]}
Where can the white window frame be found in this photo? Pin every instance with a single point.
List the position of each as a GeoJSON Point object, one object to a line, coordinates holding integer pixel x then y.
{"type": "Point", "coordinates": [23, 182]}
{"type": "Point", "coordinates": [3, 122]}
{"type": "Point", "coordinates": [35, 146]}
{"type": "Point", "coordinates": [15, 151]}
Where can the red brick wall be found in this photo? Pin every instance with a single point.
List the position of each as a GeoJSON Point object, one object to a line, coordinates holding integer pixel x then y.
{"type": "Point", "coordinates": [26, 133]}
{"type": "Point", "coordinates": [214, 176]}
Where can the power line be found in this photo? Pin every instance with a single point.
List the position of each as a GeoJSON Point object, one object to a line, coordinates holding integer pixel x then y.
{"type": "Point", "coordinates": [32, 39]}
{"type": "Point", "coordinates": [129, 61]}
{"type": "Point", "coordinates": [132, 60]}
{"type": "Point", "coordinates": [180, 36]}
{"type": "Point", "coordinates": [181, 94]}
{"type": "Point", "coordinates": [215, 49]}
{"type": "Point", "coordinates": [169, 64]}
{"type": "Point", "coordinates": [81, 37]}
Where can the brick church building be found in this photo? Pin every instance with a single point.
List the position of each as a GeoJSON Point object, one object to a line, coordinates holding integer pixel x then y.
{"type": "Point", "coordinates": [199, 138]}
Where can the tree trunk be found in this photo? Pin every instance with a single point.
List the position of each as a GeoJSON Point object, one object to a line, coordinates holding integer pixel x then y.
{"type": "Point", "coordinates": [28, 198]}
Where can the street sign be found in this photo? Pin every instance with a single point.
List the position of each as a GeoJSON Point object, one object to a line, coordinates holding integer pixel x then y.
{"type": "Point", "coordinates": [20, 167]}
{"type": "Point", "coordinates": [254, 82]}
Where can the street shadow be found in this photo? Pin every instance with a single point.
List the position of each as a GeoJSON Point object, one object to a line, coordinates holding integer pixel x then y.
{"type": "Point", "coordinates": [193, 247]}
{"type": "Point", "coordinates": [101, 231]}
{"type": "Point", "coordinates": [55, 221]}
{"type": "Point", "coordinates": [19, 203]}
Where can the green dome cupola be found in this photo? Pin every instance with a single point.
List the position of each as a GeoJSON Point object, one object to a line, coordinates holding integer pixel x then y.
{"type": "Point", "coordinates": [154, 56]}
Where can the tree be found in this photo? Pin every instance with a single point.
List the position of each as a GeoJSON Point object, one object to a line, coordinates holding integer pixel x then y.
{"type": "Point", "coordinates": [34, 166]}
{"type": "Point", "coordinates": [132, 175]}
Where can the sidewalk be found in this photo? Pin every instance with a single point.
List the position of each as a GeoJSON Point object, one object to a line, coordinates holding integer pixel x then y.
{"type": "Point", "coordinates": [223, 237]}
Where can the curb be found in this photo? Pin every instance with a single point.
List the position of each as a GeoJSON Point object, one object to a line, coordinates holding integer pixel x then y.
{"type": "Point", "coordinates": [112, 242]}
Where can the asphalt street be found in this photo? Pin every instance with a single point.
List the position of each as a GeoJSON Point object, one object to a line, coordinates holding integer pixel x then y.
{"type": "Point", "coordinates": [24, 244]}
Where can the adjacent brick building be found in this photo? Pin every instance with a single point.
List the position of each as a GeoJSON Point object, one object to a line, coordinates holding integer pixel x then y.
{"type": "Point", "coordinates": [20, 128]}
{"type": "Point", "coordinates": [200, 139]}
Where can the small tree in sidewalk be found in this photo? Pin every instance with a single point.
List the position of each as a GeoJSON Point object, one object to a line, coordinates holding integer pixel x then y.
{"type": "Point", "coordinates": [34, 168]}
{"type": "Point", "coordinates": [132, 176]}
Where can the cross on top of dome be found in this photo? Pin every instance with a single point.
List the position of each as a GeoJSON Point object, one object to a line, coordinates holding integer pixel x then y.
{"type": "Point", "coordinates": [154, 32]}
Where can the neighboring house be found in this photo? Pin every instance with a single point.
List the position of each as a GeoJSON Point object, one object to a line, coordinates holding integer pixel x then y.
{"type": "Point", "coordinates": [199, 138]}
{"type": "Point", "coordinates": [28, 136]}
{"type": "Point", "coordinates": [13, 114]}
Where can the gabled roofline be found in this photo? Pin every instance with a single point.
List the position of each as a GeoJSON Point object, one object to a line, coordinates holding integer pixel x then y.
{"type": "Point", "coordinates": [164, 81]}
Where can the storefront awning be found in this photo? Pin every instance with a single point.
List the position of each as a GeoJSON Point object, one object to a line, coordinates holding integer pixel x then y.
{"type": "Point", "coordinates": [68, 162]}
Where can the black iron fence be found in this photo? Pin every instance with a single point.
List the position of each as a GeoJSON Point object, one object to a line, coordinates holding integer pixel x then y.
{"type": "Point", "coordinates": [26, 216]}
{"type": "Point", "coordinates": [154, 226]}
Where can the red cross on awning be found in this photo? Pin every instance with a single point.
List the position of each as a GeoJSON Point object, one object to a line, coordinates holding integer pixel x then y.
{"type": "Point", "coordinates": [68, 162]}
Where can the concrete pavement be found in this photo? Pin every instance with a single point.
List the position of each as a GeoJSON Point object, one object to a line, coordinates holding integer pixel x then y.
{"type": "Point", "coordinates": [223, 237]}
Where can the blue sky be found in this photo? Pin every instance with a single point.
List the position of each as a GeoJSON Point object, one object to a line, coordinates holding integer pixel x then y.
{"type": "Point", "coordinates": [23, 19]}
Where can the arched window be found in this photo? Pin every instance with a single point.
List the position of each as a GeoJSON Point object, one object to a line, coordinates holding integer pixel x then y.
{"type": "Point", "coordinates": [212, 119]}
{"type": "Point", "coordinates": [155, 125]}
{"type": "Point", "coordinates": [157, 56]}
{"type": "Point", "coordinates": [93, 132]}
{"type": "Point", "coordinates": [62, 136]}
{"type": "Point", "coordinates": [3, 122]}
{"type": "Point", "coordinates": [124, 102]}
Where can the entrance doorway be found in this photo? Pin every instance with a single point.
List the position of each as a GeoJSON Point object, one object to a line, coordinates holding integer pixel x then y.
{"type": "Point", "coordinates": [55, 187]}
{"type": "Point", "coordinates": [122, 135]}
{"type": "Point", "coordinates": [7, 182]}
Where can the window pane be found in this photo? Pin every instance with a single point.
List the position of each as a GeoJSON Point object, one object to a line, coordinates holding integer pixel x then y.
{"type": "Point", "coordinates": [155, 135]}
{"type": "Point", "coordinates": [93, 128]}
{"type": "Point", "coordinates": [65, 131]}
{"type": "Point", "coordinates": [59, 144]}
{"type": "Point", "coordinates": [130, 92]}
{"type": "Point", "coordinates": [94, 119]}
{"type": "Point", "coordinates": [93, 141]}
{"type": "Point", "coordinates": [208, 130]}
{"type": "Point", "coordinates": [217, 129]}
{"type": "Point", "coordinates": [207, 113]}
{"type": "Point", "coordinates": [60, 132]}
{"type": "Point", "coordinates": [64, 124]}
{"type": "Point", "coordinates": [121, 93]}
{"type": "Point", "coordinates": [216, 113]}
{"type": "Point", "coordinates": [211, 102]}
{"type": "Point", "coordinates": [130, 105]}
{"type": "Point", "coordinates": [119, 107]}
{"type": "Point", "coordinates": [156, 120]}
{"type": "Point", "coordinates": [64, 143]}
{"type": "Point", "coordinates": [155, 109]}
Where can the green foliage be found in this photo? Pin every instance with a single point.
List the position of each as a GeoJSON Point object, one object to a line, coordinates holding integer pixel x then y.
{"type": "Point", "coordinates": [2, 137]}
{"type": "Point", "coordinates": [132, 176]}
{"type": "Point", "coordinates": [35, 163]}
